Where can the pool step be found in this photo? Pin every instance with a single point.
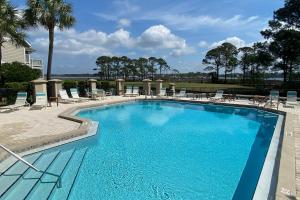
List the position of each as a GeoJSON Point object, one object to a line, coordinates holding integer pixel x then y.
{"type": "Point", "coordinates": [14, 173]}
{"type": "Point", "coordinates": [69, 176]}
{"type": "Point", "coordinates": [47, 182]}
{"type": "Point", "coordinates": [21, 182]}
{"type": "Point", "coordinates": [25, 183]}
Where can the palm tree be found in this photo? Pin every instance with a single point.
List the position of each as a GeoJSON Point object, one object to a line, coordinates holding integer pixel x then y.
{"type": "Point", "coordinates": [49, 14]}
{"type": "Point", "coordinates": [10, 26]}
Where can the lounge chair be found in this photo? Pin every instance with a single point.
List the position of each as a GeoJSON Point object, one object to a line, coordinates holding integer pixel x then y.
{"type": "Point", "coordinates": [218, 96]}
{"type": "Point", "coordinates": [20, 102]}
{"type": "Point", "coordinates": [291, 99]}
{"type": "Point", "coordinates": [273, 98]}
{"type": "Point", "coordinates": [182, 93]}
{"type": "Point", "coordinates": [93, 94]}
{"type": "Point", "coordinates": [135, 91]}
{"type": "Point", "coordinates": [75, 95]}
{"type": "Point", "coordinates": [40, 100]}
{"type": "Point", "coordinates": [101, 93]}
{"type": "Point", "coordinates": [65, 97]}
{"type": "Point", "coordinates": [128, 91]}
{"type": "Point", "coordinates": [163, 92]}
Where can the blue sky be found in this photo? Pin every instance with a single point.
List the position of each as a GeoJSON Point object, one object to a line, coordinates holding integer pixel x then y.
{"type": "Point", "coordinates": [180, 31]}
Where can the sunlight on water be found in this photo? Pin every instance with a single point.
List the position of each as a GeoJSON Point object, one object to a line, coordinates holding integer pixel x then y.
{"type": "Point", "coordinates": [168, 150]}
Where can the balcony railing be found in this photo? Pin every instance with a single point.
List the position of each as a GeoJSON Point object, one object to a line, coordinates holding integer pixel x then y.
{"type": "Point", "coordinates": [36, 63]}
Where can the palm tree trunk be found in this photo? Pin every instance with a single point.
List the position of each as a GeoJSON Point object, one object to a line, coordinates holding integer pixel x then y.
{"type": "Point", "coordinates": [1, 78]}
{"type": "Point", "coordinates": [218, 71]}
{"type": "Point", "coordinates": [50, 53]}
{"type": "Point", "coordinates": [290, 71]}
{"type": "Point", "coordinates": [244, 74]}
{"type": "Point", "coordinates": [0, 56]}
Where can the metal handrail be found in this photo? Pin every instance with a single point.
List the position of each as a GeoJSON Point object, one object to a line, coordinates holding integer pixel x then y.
{"type": "Point", "coordinates": [31, 166]}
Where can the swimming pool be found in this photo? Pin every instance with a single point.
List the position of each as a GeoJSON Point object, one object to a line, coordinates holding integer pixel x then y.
{"type": "Point", "coordinates": [163, 150]}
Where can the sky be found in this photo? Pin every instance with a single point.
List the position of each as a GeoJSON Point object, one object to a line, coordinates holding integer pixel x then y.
{"type": "Point", "coordinates": [180, 31]}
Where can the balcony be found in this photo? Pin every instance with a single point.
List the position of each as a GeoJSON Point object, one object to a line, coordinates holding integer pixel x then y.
{"type": "Point", "coordinates": [36, 63]}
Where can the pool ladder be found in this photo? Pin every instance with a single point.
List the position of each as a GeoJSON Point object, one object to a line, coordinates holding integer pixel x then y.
{"type": "Point", "coordinates": [31, 166]}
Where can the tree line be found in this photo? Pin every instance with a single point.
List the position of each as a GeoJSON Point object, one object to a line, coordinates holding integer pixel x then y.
{"type": "Point", "coordinates": [128, 68]}
{"type": "Point", "coordinates": [279, 52]}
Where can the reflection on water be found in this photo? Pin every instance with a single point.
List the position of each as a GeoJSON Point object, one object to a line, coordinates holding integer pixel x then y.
{"type": "Point", "coordinates": [162, 115]}
{"type": "Point", "coordinates": [171, 150]}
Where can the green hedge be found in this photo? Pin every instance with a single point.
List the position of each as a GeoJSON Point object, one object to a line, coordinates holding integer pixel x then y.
{"type": "Point", "coordinates": [18, 72]}
{"type": "Point", "coordinates": [82, 88]}
{"type": "Point", "coordinates": [17, 86]}
{"type": "Point", "coordinates": [104, 85]}
{"type": "Point", "coordinates": [67, 84]}
{"type": "Point", "coordinates": [14, 87]}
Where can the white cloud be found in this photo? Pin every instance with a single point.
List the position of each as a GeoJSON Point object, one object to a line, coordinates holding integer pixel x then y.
{"type": "Point", "coordinates": [188, 22]}
{"type": "Point", "coordinates": [203, 44]}
{"type": "Point", "coordinates": [160, 37]}
{"type": "Point", "coordinates": [123, 23]}
{"type": "Point", "coordinates": [120, 9]}
{"type": "Point", "coordinates": [125, 7]}
{"type": "Point", "coordinates": [238, 42]}
{"type": "Point", "coordinates": [92, 42]}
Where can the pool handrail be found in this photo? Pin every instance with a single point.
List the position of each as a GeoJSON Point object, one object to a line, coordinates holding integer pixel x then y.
{"type": "Point", "coordinates": [30, 165]}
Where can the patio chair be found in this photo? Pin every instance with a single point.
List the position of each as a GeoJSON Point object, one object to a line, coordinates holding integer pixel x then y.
{"type": "Point", "coordinates": [163, 92]}
{"type": "Point", "coordinates": [40, 100]}
{"type": "Point", "coordinates": [75, 95]}
{"type": "Point", "coordinates": [65, 97]}
{"type": "Point", "coordinates": [20, 102]}
{"type": "Point", "coordinates": [291, 99]}
{"type": "Point", "coordinates": [218, 96]}
{"type": "Point", "coordinates": [128, 91]}
{"type": "Point", "coordinates": [182, 93]}
{"type": "Point", "coordinates": [273, 98]}
{"type": "Point", "coordinates": [135, 91]}
{"type": "Point", "coordinates": [101, 93]}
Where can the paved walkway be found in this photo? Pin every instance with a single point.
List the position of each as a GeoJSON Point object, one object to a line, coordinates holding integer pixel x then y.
{"type": "Point", "coordinates": [22, 127]}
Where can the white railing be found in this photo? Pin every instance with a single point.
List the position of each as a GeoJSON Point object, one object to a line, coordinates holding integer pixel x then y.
{"type": "Point", "coordinates": [36, 63]}
{"type": "Point", "coordinates": [30, 165]}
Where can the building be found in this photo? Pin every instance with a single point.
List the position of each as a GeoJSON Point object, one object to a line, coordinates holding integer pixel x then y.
{"type": "Point", "coordinates": [22, 54]}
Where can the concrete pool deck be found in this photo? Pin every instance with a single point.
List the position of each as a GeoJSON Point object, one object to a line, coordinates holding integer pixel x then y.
{"type": "Point", "coordinates": [23, 130]}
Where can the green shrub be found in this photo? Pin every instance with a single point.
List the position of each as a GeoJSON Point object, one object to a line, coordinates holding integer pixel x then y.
{"type": "Point", "coordinates": [18, 72]}
{"type": "Point", "coordinates": [67, 84]}
{"type": "Point", "coordinates": [17, 86]}
{"type": "Point", "coordinates": [103, 85]}
{"type": "Point", "coordinates": [82, 88]}
{"type": "Point", "coordinates": [14, 87]}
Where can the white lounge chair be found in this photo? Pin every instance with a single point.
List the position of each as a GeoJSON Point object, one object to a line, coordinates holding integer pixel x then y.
{"type": "Point", "coordinates": [135, 91]}
{"type": "Point", "coordinates": [163, 92]}
{"type": "Point", "coordinates": [40, 100]}
{"type": "Point", "coordinates": [101, 93]}
{"type": "Point", "coordinates": [274, 98]}
{"type": "Point", "coordinates": [128, 91]}
{"type": "Point", "coordinates": [291, 99]}
{"type": "Point", "coordinates": [20, 102]}
{"type": "Point", "coordinates": [218, 96]}
{"type": "Point", "coordinates": [65, 97]}
{"type": "Point", "coordinates": [93, 94]}
{"type": "Point", "coordinates": [182, 93]}
{"type": "Point", "coordinates": [75, 95]}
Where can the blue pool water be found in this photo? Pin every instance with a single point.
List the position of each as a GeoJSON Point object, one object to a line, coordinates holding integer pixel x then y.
{"type": "Point", "coordinates": [152, 150]}
{"type": "Point", "coordinates": [169, 150]}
